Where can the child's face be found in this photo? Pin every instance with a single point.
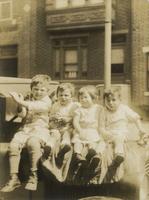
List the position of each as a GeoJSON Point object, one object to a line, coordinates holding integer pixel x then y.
{"type": "Point", "coordinates": [39, 92]}
{"type": "Point", "coordinates": [85, 100]}
{"type": "Point", "coordinates": [64, 97]}
{"type": "Point", "coordinates": [112, 102]}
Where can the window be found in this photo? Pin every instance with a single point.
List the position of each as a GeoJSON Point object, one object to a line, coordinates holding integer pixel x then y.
{"type": "Point", "coordinates": [75, 3]}
{"type": "Point", "coordinates": [70, 58]}
{"type": "Point", "coordinates": [61, 3]}
{"type": "Point", "coordinates": [5, 10]}
{"type": "Point", "coordinates": [8, 60]}
{"type": "Point", "coordinates": [148, 70]}
{"type": "Point", "coordinates": [70, 63]}
{"type": "Point", "coordinates": [117, 60]}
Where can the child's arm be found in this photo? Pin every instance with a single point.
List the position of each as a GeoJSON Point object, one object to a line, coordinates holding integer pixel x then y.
{"type": "Point", "coordinates": [101, 124]}
{"type": "Point", "coordinates": [31, 105]}
{"type": "Point", "coordinates": [139, 127]}
{"type": "Point", "coordinates": [76, 123]}
{"type": "Point", "coordinates": [18, 99]}
{"type": "Point", "coordinates": [22, 111]}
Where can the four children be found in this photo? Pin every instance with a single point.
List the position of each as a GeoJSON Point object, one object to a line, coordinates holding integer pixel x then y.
{"type": "Point", "coordinates": [66, 122]}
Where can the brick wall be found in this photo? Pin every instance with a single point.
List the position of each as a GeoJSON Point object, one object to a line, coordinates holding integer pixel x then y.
{"type": "Point", "coordinates": [96, 55]}
{"type": "Point", "coordinates": [139, 39]}
{"type": "Point", "coordinates": [122, 14]}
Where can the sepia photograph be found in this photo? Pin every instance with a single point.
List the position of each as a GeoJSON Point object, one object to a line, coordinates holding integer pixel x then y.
{"type": "Point", "coordinates": [74, 99]}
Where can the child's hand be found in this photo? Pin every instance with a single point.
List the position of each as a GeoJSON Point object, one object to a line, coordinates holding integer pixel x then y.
{"type": "Point", "coordinates": [16, 97]}
{"type": "Point", "coordinates": [144, 139]}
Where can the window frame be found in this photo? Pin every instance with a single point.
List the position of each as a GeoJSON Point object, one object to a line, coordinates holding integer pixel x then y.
{"type": "Point", "coordinates": [11, 10]}
{"type": "Point", "coordinates": [70, 4]}
{"type": "Point", "coordinates": [62, 47]}
{"type": "Point", "coordinates": [119, 46]}
{"type": "Point", "coordinates": [147, 61]}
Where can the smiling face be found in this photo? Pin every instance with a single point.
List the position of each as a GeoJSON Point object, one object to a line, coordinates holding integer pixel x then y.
{"type": "Point", "coordinates": [39, 92]}
{"type": "Point", "coordinates": [64, 97]}
{"type": "Point", "coordinates": [85, 100]}
{"type": "Point", "coordinates": [112, 102]}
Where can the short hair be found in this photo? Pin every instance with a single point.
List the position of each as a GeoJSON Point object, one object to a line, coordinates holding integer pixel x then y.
{"type": "Point", "coordinates": [41, 79]}
{"type": "Point", "coordinates": [112, 93]}
{"type": "Point", "coordinates": [91, 90]}
{"type": "Point", "coordinates": [66, 86]}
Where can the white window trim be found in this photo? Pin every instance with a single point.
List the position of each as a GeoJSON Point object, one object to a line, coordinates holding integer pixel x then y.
{"type": "Point", "coordinates": [9, 18]}
{"type": "Point", "coordinates": [70, 5]}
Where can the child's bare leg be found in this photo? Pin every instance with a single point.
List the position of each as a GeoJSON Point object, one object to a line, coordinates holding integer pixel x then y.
{"type": "Point", "coordinates": [78, 148]}
{"type": "Point", "coordinates": [79, 160]}
{"type": "Point", "coordinates": [14, 160]}
{"type": "Point", "coordinates": [65, 144]}
{"type": "Point", "coordinates": [34, 149]}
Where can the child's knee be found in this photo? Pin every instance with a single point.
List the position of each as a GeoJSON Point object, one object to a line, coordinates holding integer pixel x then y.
{"type": "Point", "coordinates": [33, 143]}
{"type": "Point", "coordinates": [14, 148]}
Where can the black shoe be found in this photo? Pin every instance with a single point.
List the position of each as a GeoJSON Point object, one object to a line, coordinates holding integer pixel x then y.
{"type": "Point", "coordinates": [64, 149]}
{"type": "Point", "coordinates": [91, 153]}
{"type": "Point", "coordinates": [94, 163]}
{"type": "Point", "coordinates": [61, 154]}
{"type": "Point", "coordinates": [113, 167]}
{"type": "Point", "coordinates": [47, 152]}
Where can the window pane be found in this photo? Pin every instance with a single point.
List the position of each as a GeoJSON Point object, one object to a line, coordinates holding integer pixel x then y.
{"type": "Point", "coordinates": [61, 3]}
{"type": "Point", "coordinates": [71, 60]}
{"type": "Point", "coordinates": [72, 68]}
{"type": "Point", "coordinates": [84, 59]}
{"type": "Point", "coordinates": [78, 2]}
{"type": "Point", "coordinates": [57, 60]}
{"type": "Point", "coordinates": [71, 56]}
{"type": "Point", "coordinates": [96, 1]}
{"type": "Point", "coordinates": [8, 67]}
{"type": "Point", "coordinates": [148, 71]}
{"type": "Point", "coordinates": [5, 10]}
{"type": "Point", "coordinates": [148, 62]}
{"type": "Point", "coordinates": [71, 71]}
{"type": "Point", "coordinates": [117, 68]}
{"type": "Point", "coordinates": [117, 56]}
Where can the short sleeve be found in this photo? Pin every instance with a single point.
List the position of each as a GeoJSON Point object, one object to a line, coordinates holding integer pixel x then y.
{"type": "Point", "coordinates": [77, 112]}
{"type": "Point", "coordinates": [75, 109]}
{"type": "Point", "coordinates": [130, 114]}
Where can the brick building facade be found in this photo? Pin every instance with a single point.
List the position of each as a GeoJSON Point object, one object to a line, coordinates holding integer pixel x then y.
{"type": "Point", "coordinates": [65, 39]}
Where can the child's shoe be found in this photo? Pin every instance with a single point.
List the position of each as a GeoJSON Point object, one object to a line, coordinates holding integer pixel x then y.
{"type": "Point", "coordinates": [32, 182]}
{"type": "Point", "coordinates": [65, 149]}
{"type": "Point", "coordinates": [47, 152]}
{"type": "Point", "coordinates": [12, 184]}
{"type": "Point", "coordinates": [91, 153]}
{"type": "Point", "coordinates": [94, 162]}
{"type": "Point", "coordinates": [61, 154]}
{"type": "Point", "coordinates": [113, 167]}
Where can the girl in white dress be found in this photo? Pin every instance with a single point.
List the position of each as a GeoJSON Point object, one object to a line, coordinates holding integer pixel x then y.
{"type": "Point", "coordinates": [86, 128]}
